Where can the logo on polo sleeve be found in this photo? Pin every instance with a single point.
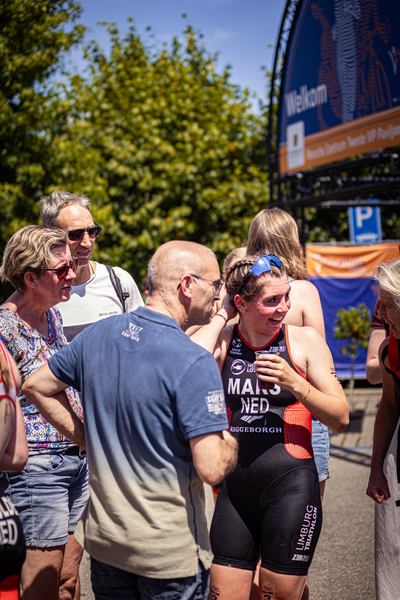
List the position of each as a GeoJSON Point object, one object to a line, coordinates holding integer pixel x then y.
{"type": "Point", "coordinates": [216, 402]}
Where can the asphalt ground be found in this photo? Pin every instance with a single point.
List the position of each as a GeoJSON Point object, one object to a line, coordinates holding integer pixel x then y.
{"type": "Point", "coordinates": [343, 566]}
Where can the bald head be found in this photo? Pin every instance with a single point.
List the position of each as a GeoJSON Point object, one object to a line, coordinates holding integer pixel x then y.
{"type": "Point", "coordinates": [174, 259]}
{"type": "Point", "coordinates": [183, 280]}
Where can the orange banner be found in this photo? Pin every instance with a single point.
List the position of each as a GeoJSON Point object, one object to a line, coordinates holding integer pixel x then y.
{"type": "Point", "coordinates": [374, 132]}
{"type": "Point", "coordinates": [348, 261]}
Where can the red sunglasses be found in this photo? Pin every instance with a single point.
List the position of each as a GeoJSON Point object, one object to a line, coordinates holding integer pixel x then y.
{"type": "Point", "coordinates": [63, 271]}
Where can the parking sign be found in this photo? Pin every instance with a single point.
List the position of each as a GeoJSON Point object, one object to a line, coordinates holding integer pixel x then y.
{"type": "Point", "coordinates": [365, 224]}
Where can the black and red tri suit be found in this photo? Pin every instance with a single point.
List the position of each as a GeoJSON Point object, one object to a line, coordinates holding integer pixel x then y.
{"type": "Point", "coordinates": [272, 500]}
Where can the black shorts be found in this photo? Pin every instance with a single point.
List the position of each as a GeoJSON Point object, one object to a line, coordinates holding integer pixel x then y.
{"type": "Point", "coordinates": [283, 523]}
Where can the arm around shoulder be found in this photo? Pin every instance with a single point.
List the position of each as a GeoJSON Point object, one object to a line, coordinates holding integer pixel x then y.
{"type": "Point", "coordinates": [214, 456]}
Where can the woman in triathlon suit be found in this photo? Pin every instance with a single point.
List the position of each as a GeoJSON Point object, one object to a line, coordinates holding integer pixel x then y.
{"type": "Point", "coordinates": [13, 456]}
{"type": "Point", "coordinates": [271, 503]}
{"type": "Point", "coordinates": [275, 231]}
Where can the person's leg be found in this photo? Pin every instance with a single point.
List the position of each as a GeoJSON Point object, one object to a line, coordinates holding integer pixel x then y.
{"type": "Point", "coordinates": [40, 573]}
{"type": "Point", "coordinates": [235, 542]}
{"type": "Point", "coordinates": [320, 444]}
{"type": "Point", "coordinates": [254, 594]}
{"type": "Point", "coordinates": [111, 583]}
{"type": "Point", "coordinates": [44, 518]}
{"type": "Point", "coordinates": [69, 581]}
{"type": "Point", "coordinates": [78, 494]}
{"type": "Point", "coordinates": [291, 528]}
{"type": "Point", "coordinates": [276, 586]}
{"type": "Point", "coordinates": [229, 583]}
{"type": "Point", "coordinates": [41, 494]}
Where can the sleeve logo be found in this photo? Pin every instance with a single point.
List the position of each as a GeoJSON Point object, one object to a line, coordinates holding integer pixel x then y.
{"type": "Point", "coordinates": [216, 402]}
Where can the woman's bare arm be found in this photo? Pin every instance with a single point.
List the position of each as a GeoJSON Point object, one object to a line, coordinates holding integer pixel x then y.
{"type": "Point", "coordinates": [386, 420]}
{"type": "Point", "coordinates": [306, 309]}
{"type": "Point", "coordinates": [374, 374]}
{"type": "Point", "coordinates": [13, 445]}
{"type": "Point", "coordinates": [322, 394]}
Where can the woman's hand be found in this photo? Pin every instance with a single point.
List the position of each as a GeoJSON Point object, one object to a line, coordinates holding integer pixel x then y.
{"type": "Point", "coordinates": [224, 306]}
{"type": "Point", "coordinates": [273, 369]}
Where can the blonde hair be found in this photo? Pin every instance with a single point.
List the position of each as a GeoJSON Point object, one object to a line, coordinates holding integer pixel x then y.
{"type": "Point", "coordinates": [232, 257]}
{"type": "Point", "coordinates": [30, 249]}
{"type": "Point", "coordinates": [235, 274]}
{"type": "Point", "coordinates": [274, 231]}
{"type": "Point", "coordinates": [388, 276]}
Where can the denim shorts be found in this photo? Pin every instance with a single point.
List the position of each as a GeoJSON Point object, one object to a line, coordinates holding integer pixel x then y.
{"type": "Point", "coordinates": [50, 495]}
{"type": "Point", "coordinates": [320, 444]}
{"type": "Point", "coordinates": [111, 583]}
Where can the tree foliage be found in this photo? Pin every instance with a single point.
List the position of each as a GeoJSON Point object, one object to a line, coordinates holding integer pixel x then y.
{"type": "Point", "coordinates": [34, 36]}
{"type": "Point", "coordinates": [354, 327]}
{"type": "Point", "coordinates": [164, 146]}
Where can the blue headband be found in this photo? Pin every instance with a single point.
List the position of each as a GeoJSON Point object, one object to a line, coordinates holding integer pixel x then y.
{"type": "Point", "coordinates": [263, 265]}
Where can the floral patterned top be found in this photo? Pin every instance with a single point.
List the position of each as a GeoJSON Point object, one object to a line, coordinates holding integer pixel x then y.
{"type": "Point", "coordinates": [31, 350]}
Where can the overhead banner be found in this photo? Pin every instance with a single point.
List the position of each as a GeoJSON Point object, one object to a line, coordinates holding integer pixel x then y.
{"type": "Point", "coordinates": [343, 277]}
{"type": "Point", "coordinates": [341, 83]}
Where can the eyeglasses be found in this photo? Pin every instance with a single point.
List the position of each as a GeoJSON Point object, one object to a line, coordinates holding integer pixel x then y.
{"type": "Point", "coordinates": [217, 285]}
{"type": "Point", "coordinates": [76, 235]}
{"type": "Point", "coordinates": [62, 272]}
{"type": "Point", "coordinates": [263, 265]}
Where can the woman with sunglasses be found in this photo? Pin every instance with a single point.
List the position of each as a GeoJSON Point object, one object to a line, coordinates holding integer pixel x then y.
{"type": "Point", "coordinates": [51, 491]}
{"type": "Point", "coordinates": [271, 503]}
{"type": "Point", "coordinates": [98, 291]}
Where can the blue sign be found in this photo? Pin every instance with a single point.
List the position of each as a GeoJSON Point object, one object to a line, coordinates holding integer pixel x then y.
{"type": "Point", "coordinates": [340, 90]}
{"type": "Point", "coordinates": [365, 224]}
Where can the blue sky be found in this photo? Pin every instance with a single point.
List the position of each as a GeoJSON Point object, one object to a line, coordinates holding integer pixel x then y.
{"type": "Point", "coordinates": [241, 30]}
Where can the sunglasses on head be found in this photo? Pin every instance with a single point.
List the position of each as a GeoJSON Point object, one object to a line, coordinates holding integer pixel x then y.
{"type": "Point", "coordinates": [76, 235]}
{"type": "Point", "coordinates": [63, 271]}
{"type": "Point", "coordinates": [263, 265]}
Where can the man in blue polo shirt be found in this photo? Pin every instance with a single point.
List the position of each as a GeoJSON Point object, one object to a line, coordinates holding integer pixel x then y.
{"type": "Point", "coordinates": [155, 427]}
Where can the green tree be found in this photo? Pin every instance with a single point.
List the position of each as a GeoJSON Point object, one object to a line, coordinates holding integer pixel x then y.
{"type": "Point", "coordinates": [34, 36]}
{"type": "Point", "coordinates": [353, 326]}
{"type": "Point", "coordinates": [163, 145]}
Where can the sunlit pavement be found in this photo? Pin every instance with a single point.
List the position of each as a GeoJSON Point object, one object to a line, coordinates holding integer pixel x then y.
{"type": "Point", "coordinates": [343, 566]}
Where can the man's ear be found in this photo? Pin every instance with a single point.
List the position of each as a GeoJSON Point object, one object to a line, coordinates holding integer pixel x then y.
{"type": "Point", "coordinates": [240, 303]}
{"type": "Point", "coordinates": [186, 285]}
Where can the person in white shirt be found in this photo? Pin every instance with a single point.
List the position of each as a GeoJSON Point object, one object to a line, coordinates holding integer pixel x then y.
{"type": "Point", "coordinates": [99, 291]}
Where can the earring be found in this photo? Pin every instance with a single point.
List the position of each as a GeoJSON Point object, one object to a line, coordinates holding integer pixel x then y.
{"type": "Point", "coordinates": [35, 286]}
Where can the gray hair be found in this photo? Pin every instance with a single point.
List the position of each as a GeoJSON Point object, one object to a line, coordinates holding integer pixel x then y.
{"type": "Point", "coordinates": [51, 206]}
{"type": "Point", "coordinates": [388, 276]}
